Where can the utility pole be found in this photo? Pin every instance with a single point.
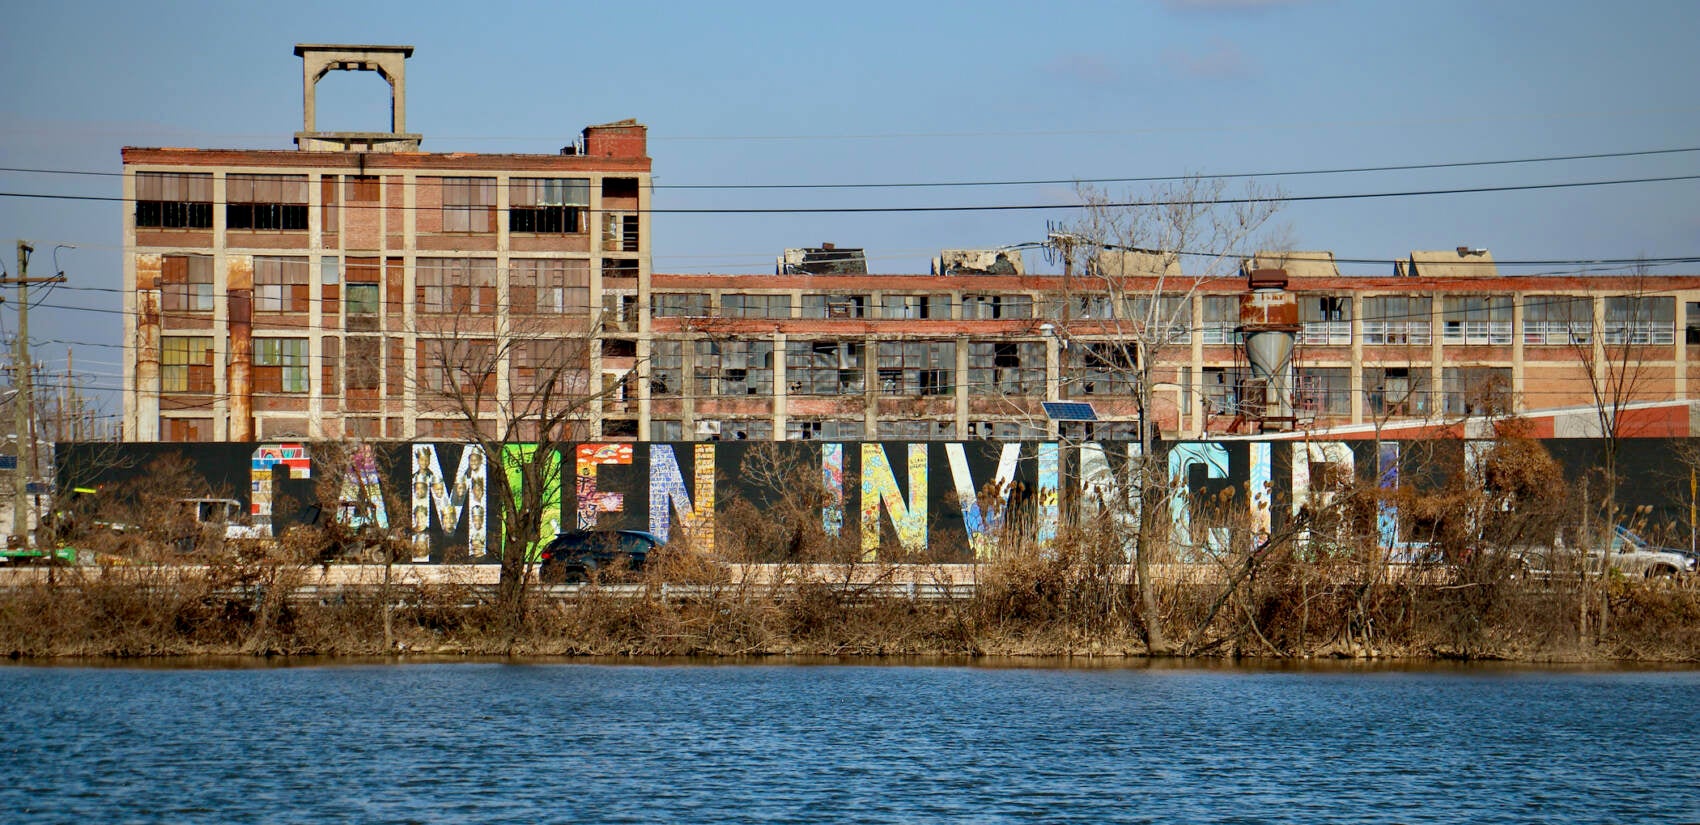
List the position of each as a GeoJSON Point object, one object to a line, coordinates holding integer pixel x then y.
{"type": "Point", "coordinates": [22, 399]}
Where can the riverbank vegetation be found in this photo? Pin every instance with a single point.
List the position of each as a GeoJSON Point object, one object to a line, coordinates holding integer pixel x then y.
{"type": "Point", "coordinates": [1463, 581]}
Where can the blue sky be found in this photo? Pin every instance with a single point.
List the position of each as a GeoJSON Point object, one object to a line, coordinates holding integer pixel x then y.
{"type": "Point", "coordinates": [876, 92]}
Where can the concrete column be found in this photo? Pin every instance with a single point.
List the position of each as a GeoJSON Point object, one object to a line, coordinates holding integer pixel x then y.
{"type": "Point", "coordinates": [146, 302]}
{"type": "Point", "coordinates": [1357, 380]}
{"type": "Point", "coordinates": [781, 389]}
{"type": "Point", "coordinates": [239, 298]}
{"type": "Point", "coordinates": [1518, 382]}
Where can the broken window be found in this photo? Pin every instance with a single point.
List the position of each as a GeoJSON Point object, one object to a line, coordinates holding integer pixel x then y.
{"type": "Point", "coordinates": [1167, 317]}
{"type": "Point", "coordinates": [916, 367]}
{"type": "Point", "coordinates": [1082, 308]}
{"type": "Point", "coordinates": [828, 429]}
{"type": "Point", "coordinates": [615, 268]}
{"type": "Point", "coordinates": [265, 202]}
{"type": "Point", "coordinates": [755, 306]}
{"type": "Point", "coordinates": [1327, 320]}
{"type": "Point", "coordinates": [996, 307]}
{"type": "Point", "coordinates": [469, 204]}
{"type": "Point", "coordinates": [186, 283]}
{"type": "Point", "coordinates": [1102, 368]}
{"type": "Point", "coordinates": [548, 205]}
{"type": "Point", "coordinates": [1006, 368]}
{"type": "Point", "coordinates": [823, 367]}
{"type": "Point", "coordinates": [620, 232]}
{"type": "Point", "coordinates": [1476, 390]}
{"type": "Point", "coordinates": [1221, 316]}
{"type": "Point", "coordinates": [174, 200]}
{"type": "Point", "coordinates": [1396, 320]}
{"type": "Point", "coordinates": [666, 430]}
{"type": "Point", "coordinates": [1558, 319]}
{"type": "Point", "coordinates": [1640, 320]}
{"type": "Point", "coordinates": [185, 364]}
{"type": "Point", "coordinates": [679, 304]}
{"type": "Point", "coordinates": [455, 285]}
{"type": "Point", "coordinates": [1005, 430]}
{"type": "Point", "coordinates": [549, 286]}
{"type": "Point", "coordinates": [1396, 391]}
{"type": "Point", "coordinates": [737, 429]}
{"type": "Point", "coordinates": [834, 306]}
{"type": "Point", "coordinates": [1221, 391]}
{"type": "Point", "coordinates": [280, 365]}
{"type": "Point", "coordinates": [666, 369]}
{"type": "Point", "coordinates": [734, 368]}
{"type": "Point", "coordinates": [281, 284]}
{"type": "Point", "coordinates": [1324, 390]}
{"type": "Point", "coordinates": [619, 311]}
{"type": "Point", "coordinates": [914, 307]}
{"type": "Point", "coordinates": [915, 430]}
{"type": "Point", "coordinates": [1477, 319]}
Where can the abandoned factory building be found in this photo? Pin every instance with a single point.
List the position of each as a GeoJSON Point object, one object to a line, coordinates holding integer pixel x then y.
{"type": "Point", "coordinates": [358, 287]}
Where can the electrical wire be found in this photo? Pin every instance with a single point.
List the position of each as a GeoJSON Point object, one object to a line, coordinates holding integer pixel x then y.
{"type": "Point", "coordinates": [858, 210]}
{"type": "Point", "coordinates": [1404, 167]}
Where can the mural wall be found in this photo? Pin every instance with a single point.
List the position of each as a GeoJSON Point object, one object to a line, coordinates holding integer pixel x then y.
{"type": "Point", "coordinates": [943, 500]}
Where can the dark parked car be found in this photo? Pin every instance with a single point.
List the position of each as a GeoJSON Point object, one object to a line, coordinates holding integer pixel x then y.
{"type": "Point", "coordinates": [574, 557]}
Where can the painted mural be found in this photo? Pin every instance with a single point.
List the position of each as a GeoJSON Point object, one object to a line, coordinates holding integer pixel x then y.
{"type": "Point", "coordinates": [944, 500]}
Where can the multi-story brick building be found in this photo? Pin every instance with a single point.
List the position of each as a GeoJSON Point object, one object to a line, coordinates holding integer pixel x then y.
{"type": "Point", "coordinates": [970, 352]}
{"type": "Point", "coordinates": [309, 293]}
{"type": "Point", "coordinates": [300, 293]}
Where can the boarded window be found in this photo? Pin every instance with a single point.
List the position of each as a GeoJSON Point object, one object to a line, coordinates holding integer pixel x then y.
{"type": "Point", "coordinates": [549, 286]}
{"type": "Point", "coordinates": [457, 367]}
{"type": "Point", "coordinates": [469, 204]}
{"type": "Point", "coordinates": [187, 283]}
{"type": "Point", "coordinates": [361, 369]}
{"type": "Point", "coordinates": [554, 369]}
{"type": "Point", "coordinates": [456, 285]}
{"type": "Point", "coordinates": [280, 284]}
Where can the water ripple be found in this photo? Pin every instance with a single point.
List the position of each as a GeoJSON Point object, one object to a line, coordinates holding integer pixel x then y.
{"type": "Point", "coordinates": [474, 742]}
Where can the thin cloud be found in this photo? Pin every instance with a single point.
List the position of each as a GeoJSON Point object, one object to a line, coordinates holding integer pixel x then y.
{"type": "Point", "coordinates": [1229, 5]}
{"type": "Point", "coordinates": [1221, 60]}
{"type": "Point", "coordinates": [1083, 68]}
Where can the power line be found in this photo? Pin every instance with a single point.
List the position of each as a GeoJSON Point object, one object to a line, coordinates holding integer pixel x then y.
{"type": "Point", "coordinates": [845, 210]}
{"type": "Point", "coordinates": [1406, 167]}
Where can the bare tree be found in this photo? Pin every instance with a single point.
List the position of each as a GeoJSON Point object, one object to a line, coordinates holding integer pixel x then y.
{"type": "Point", "coordinates": [1146, 259]}
{"type": "Point", "coordinates": [519, 386]}
{"type": "Point", "coordinates": [1629, 330]}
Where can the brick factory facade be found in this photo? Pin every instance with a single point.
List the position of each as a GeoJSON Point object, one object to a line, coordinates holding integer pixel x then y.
{"type": "Point", "coordinates": [302, 294]}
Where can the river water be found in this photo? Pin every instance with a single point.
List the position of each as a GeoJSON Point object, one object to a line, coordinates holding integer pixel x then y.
{"type": "Point", "coordinates": [469, 742]}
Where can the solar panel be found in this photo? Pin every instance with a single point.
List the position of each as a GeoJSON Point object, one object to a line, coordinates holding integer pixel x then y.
{"type": "Point", "coordinates": [1070, 411]}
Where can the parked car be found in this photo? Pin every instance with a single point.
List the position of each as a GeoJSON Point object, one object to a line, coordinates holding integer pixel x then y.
{"type": "Point", "coordinates": [575, 557]}
{"type": "Point", "coordinates": [1652, 559]}
{"type": "Point", "coordinates": [1627, 553]}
